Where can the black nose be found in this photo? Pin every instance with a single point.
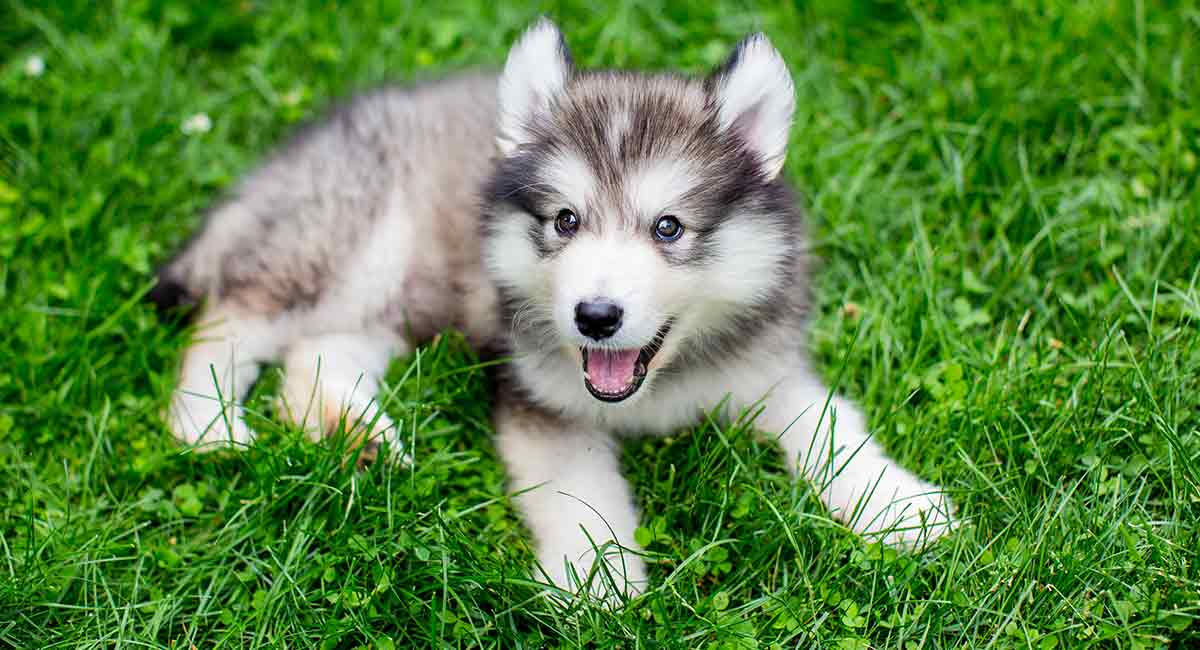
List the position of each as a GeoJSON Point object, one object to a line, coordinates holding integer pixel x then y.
{"type": "Point", "coordinates": [598, 320]}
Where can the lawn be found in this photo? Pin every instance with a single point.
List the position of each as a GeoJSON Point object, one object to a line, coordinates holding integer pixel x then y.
{"type": "Point", "coordinates": [1004, 199]}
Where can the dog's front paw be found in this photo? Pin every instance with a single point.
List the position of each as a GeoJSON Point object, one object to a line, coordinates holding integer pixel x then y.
{"type": "Point", "coordinates": [621, 575]}
{"type": "Point", "coordinates": [378, 431]}
{"type": "Point", "coordinates": [203, 425]}
{"type": "Point", "coordinates": [899, 510]}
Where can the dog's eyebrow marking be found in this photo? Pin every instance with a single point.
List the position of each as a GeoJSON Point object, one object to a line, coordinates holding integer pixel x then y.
{"type": "Point", "coordinates": [655, 187]}
{"type": "Point", "coordinates": [571, 177]}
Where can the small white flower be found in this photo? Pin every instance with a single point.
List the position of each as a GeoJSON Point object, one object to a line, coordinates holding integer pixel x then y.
{"type": "Point", "coordinates": [198, 123]}
{"type": "Point", "coordinates": [293, 97]}
{"type": "Point", "coordinates": [35, 66]}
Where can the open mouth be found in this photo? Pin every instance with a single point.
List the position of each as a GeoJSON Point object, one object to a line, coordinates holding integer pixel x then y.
{"type": "Point", "coordinates": [614, 375]}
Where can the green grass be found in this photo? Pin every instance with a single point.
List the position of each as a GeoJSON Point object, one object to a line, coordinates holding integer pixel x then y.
{"type": "Point", "coordinates": [1005, 200]}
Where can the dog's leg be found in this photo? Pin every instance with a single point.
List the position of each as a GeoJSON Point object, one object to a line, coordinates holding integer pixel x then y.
{"type": "Point", "coordinates": [574, 500]}
{"type": "Point", "coordinates": [217, 371]}
{"type": "Point", "coordinates": [333, 378]}
{"type": "Point", "coordinates": [826, 442]}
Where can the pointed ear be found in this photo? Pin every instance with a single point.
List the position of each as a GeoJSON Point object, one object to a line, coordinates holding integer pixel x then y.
{"type": "Point", "coordinates": [755, 98]}
{"type": "Point", "coordinates": [536, 72]}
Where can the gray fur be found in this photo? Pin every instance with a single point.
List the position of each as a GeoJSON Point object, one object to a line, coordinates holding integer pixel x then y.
{"type": "Point", "coordinates": [281, 241]}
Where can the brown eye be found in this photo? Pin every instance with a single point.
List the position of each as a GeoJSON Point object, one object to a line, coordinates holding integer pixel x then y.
{"type": "Point", "coordinates": [668, 228]}
{"type": "Point", "coordinates": [566, 223]}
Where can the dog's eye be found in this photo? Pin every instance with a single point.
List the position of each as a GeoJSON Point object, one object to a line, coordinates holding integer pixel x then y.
{"type": "Point", "coordinates": [668, 228]}
{"type": "Point", "coordinates": [567, 223]}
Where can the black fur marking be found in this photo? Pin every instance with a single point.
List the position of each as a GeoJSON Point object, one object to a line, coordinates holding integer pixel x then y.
{"type": "Point", "coordinates": [516, 181]}
{"type": "Point", "coordinates": [171, 298]}
{"type": "Point", "coordinates": [722, 71]}
{"type": "Point", "coordinates": [565, 52]}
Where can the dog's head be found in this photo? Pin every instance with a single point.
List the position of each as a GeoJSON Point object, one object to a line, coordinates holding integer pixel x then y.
{"type": "Point", "coordinates": [633, 219]}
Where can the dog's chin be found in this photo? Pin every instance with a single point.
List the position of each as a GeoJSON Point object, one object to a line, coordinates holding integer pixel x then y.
{"type": "Point", "coordinates": [614, 375]}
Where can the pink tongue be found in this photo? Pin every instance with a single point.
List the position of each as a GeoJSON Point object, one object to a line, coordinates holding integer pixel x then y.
{"type": "Point", "coordinates": [611, 371]}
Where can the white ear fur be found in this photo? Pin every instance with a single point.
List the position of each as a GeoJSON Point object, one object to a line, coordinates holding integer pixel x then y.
{"type": "Point", "coordinates": [537, 70]}
{"type": "Point", "coordinates": [755, 97]}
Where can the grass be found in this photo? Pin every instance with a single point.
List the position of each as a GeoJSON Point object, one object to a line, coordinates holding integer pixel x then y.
{"type": "Point", "coordinates": [1004, 196]}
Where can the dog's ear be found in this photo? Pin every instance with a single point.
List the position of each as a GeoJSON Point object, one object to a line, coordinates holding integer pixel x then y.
{"type": "Point", "coordinates": [536, 72]}
{"type": "Point", "coordinates": [755, 98]}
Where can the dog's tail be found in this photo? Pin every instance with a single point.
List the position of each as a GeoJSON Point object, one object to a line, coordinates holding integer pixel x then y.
{"type": "Point", "coordinates": [174, 295]}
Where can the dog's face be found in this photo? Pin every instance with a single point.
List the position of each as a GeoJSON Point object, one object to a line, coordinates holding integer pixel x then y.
{"type": "Point", "coordinates": [635, 218]}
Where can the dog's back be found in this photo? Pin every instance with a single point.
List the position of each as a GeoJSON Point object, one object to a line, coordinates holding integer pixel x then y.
{"type": "Point", "coordinates": [375, 191]}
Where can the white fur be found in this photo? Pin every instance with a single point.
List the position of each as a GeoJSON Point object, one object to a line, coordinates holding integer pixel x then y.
{"type": "Point", "coordinates": [757, 97]}
{"type": "Point", "coordinates": [825, 440]}
{"type": "Point", "coordinates": [385, 256]}
{"type": "Point", "coordinates": [569, 487]}
{"type": "Point", "coordinates": [328, 377]}
{"type": "Point", "coordinates": [535, 73]}
{"type": "Point", "coordinates": [571, 177]}
{"type": "Point", "coordinates": [218, 370]}
{"type": "Point", "coordinates": [334, 379]}
{"type": "Point", "coordinates": [656, 186]}
{"type": "Point", "coordinates": [512, 263]}
{"type": "Point", "coordinates": [748, 257]}
{"type": "Point", "coordinates": [618, 125]}
{"type": "Point", "coordinates": [613, 267]}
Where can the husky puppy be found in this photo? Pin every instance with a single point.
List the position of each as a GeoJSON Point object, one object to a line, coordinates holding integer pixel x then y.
{"type": "Point", "coordinates": [624, 239]}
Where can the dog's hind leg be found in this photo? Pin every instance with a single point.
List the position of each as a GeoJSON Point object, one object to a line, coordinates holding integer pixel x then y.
{"type": "Point", "coordinates": [218, 369]}
{"type": "Point", "coordinates": [333, 379]}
